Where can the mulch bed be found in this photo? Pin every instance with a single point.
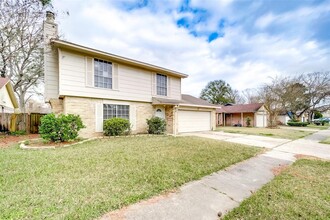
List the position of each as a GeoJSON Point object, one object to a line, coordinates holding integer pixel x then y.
{"type": "Point", "coordinates": [9, 140]}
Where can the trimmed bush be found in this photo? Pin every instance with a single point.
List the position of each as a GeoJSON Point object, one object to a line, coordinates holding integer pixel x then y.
{"type": "Point", "coordinates": [297, 124]}
{"type": "Point", "coordinates": [116, 126]}
{"type": "Point", "coordinates": [156, 125]}
{"type": "Point", "coordinates": [60, 128]}
{"type": "Point", "coordinates": [248, 122]}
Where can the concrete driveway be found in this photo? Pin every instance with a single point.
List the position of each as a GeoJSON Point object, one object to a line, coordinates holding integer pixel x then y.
{"type": "Point", "coordinates": [252, 140]}
{"type": "Point", "coordinates": [307, 146]}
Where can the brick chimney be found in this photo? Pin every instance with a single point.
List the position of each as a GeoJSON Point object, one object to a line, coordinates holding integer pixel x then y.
{"type": "Point", "coordinates": [50, 27]}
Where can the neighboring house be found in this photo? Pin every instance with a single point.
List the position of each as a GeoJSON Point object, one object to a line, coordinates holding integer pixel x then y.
{"type": "Point", "coordinates": [8, 101]}
{"type": "Point", "coordinates": [326, 114]}
{"type": "Point", "coordinates": [283, 119]}
{"type": "Point", "coordinates": [99, 85]}
{"type": "Point", "coordinates": [232, 115]}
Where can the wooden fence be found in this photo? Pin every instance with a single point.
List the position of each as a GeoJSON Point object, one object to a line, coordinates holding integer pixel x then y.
{"type": "Point", "coordinates": [18, 122]}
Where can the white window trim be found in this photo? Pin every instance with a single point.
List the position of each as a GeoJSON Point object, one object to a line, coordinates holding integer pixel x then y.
{"type": "Point", "coordinates": [92, 85]}
{"type": "Point", "coordinates": [167, 85]}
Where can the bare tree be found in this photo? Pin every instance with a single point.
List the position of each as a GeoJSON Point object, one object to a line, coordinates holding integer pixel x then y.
{"type": "Point", "coordinates": [21, 51]}
{"type": "Point", "coordinates": [317, 91]}
{"type": "Point", "coordinates": [237, 97]}
{"type": "Point", "coordinates": [269, 94]}
{"type": "Point", "coordinates": [250, 96]}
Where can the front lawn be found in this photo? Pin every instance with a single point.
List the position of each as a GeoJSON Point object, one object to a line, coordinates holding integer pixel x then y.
{"type": "Point", "coordinates": [300, 192]}
{"type": "Point", "coordinates": [325, 141]}
{"type": "Point", "coordinates": [270, 132]}
{"type": "Point", "coordinates": [88, 180]}
{"type": "Point", "coordinates": [321, 127]}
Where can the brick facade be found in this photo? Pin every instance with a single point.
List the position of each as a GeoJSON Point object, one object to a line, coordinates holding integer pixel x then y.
{"type": "Point", "coordinates": [85, 107]}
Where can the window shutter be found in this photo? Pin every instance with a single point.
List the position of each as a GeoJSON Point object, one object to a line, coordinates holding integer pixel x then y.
{"type": "Point", "coordinates": [132, 116]}
{"type": "Point", "coordinates": [89, 72]}
{"type": "Point", "coordinates": [153, 84]}
{"type": "Point", "coordinates": [115, 76]}
{"type": "Point", "coordinates": [169, 88]}
{"type": "Point", "coordinates": [98, 117]}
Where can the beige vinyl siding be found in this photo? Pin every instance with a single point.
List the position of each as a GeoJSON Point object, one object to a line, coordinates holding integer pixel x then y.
{"type": "Point", "coordinates": [175, 87]}
{"type": "Point", "coordinates": [51, 74]}
{"type": "Point", "coordinates": [51, 63]}
{"type": "Point", "coordinates": [129, 83]}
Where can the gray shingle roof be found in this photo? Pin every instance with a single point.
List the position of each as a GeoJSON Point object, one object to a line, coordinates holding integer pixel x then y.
{"type": "Point", "coordinates": [185, 100]}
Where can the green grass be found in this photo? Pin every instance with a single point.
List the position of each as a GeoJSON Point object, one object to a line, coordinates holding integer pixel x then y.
{"type": "Point", "coordinates": [321, 127]}
{"type": "Point", "coordinates": [325, 141]}
{"type": "Point", "coordinates": [88, 180]}
{"type": "Point", "coordinates": [300, 192]}
{"type": "Point", "coordinates": [276, 133]}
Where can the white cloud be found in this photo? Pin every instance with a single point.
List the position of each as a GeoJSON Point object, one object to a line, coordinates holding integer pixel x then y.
{"type": "Point", "coordinates": [243, 59]}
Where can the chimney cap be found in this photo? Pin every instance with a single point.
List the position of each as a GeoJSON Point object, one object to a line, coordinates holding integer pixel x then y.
{"type": "Point", "coordinates": [50, 16]}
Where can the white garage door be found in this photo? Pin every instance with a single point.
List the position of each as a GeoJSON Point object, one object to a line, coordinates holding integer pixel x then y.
{"type": "Point", "coordinates": [189, 121]}
{"type": "Point", "coordinates": [261, 121]}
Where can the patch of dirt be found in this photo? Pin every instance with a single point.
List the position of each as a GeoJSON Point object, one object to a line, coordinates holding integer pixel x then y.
{"type": "Point", "coordinates": [41, 143]}
{"type": "Point", "coordinates": [120, 213]}
{"type": "Point", "coordinates": [302, 156]}
{"type": "Point", "coordinates": [278, 170]}
{"type": "Point", "coordinates": [9, 140]}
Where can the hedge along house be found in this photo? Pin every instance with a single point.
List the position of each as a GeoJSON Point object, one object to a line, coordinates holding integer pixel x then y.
{"type": "Point", "coordinates": [237, 115]}
{"type": "Point", "coordinates": [98, 85]}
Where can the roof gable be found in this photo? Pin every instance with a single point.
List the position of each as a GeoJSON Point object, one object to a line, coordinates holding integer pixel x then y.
{"type": "Point", "coordinates": [254, 107]}
{"type": "Point", "coordinates": [105, 55]}
{"type": "Point", "coordinates": [5, 82]}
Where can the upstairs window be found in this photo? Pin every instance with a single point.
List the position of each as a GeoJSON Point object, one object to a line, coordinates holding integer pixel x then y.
{"type": "Point", "coordinates": [102, 74]}
{"type": "Point", "coordinates": [161, 85]}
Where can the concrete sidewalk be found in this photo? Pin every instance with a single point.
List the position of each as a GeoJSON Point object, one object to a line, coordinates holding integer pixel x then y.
{"type": "Point", "coordinates": [205, 198]}
{"type": "Point", "coordinates": [224, 190]}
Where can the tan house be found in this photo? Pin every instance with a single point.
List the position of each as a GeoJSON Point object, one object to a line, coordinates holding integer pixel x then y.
{"type": "Point", "coordinates": [8, 101]}
{"type": "Point", "coordinates": [236, 115]}
{"type": "Point", "coordinates": [98, 85]}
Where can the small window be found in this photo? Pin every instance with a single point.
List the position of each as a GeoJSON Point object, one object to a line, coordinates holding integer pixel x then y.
{"type": "Point", "coordinates": [102, 74]}
{"type": "Point", "coordinates": [161, 85]}
{"type": "Point", "coordinates": [115, 111]}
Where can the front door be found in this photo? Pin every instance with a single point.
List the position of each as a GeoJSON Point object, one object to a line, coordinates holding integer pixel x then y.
{"type": "Point", "coordinates": [160, 112]}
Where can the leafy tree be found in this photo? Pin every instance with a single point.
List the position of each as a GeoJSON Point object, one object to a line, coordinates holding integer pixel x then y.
{"type": "Point", "coordinates": [21, 51]}
{"type": "Point", "coordinates": [317, 115]}
{"type": "Point", "coordinates": [218, 92]}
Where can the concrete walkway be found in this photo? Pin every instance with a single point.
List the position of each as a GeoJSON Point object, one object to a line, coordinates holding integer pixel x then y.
{"type": "Point", "coordinates": [224, 190]}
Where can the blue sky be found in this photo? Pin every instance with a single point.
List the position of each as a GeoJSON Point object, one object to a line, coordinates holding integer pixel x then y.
{"type": "Point", "coordinates": [242, 42]}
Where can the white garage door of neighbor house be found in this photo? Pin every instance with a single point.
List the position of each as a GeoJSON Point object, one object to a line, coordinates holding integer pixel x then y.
{"type": "Point", "coordinates": [189, 121]}
{"type": "Point", "coordinates": [261, 121]}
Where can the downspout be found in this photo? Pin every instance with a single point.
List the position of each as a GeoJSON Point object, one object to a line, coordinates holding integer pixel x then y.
{"type": "Point", "coordinates": [175, 120]}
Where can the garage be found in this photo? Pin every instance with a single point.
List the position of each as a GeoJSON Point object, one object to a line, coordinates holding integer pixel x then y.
{"type": "Point", "coordinates": [261, 120]}
{"type": "Point", "coordinates": [189, 121]}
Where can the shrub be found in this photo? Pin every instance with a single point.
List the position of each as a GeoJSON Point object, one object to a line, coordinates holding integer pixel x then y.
{"type": "Point", "coordinates": [297, 124]}
{"type": "Point", "coordinates": [156, 125]}
{"type": "Point", "coordinates": [116, 126]}
{"type": "Point", "coordinates": [61, 128]}
{"type": "Point", "coordinates": [248, 122]}
{"type": "Point", "coordinates": [318, 115]}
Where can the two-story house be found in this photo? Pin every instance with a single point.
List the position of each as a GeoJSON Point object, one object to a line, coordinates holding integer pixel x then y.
{"type": "Point", "coordinates": [98, 85]}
